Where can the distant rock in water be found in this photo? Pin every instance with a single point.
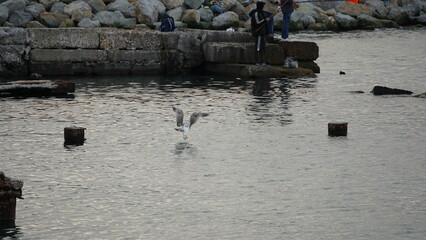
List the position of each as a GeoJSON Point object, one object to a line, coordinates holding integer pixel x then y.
{"type": "Point", "coordinates": [421, 95]}
{"type": "Point", "coordinates": [342, 73]}
{"type": "Point", "coordinates": [380, 90]}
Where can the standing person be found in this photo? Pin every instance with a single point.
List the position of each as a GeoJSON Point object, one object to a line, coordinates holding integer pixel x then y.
{"type": "Point", "coordinates": [286, 9]}
{"type": "Point", "coordinates": [259, 31]}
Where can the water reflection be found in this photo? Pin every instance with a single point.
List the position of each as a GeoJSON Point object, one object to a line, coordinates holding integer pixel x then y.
{"type": "Point", "coordinates": [9, 230]}
{"type": "Point", "coordinates": [185, 147]}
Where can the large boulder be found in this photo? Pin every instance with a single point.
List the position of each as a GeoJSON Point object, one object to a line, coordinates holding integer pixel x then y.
{"type": "Point", "coordinates": [192, 18]}
{"type": "Point", "coordinates": [346, 22]}
{"type": "Point", "coordinates": [35, 9]}
{"type": "Point", "coordinates": [159, 6]}
{"type": "Point", "coordinates": [48, 3]}
{"type": "Point", "coordinates": [226, 20]}
{"type": "Point", "coordinates": [399, 15]}
{"type": "Point", "coordinates": [124, 6]}
{"type": "Point", "coordinates": [193, 4]}
{"type": "Point", "coordinates": [53, 19]}
{"type": "Point", "coordinates": [172, 4]}
{"type": "Point", "coordinates": [89, 23]}
{"type": "Point", "coordinates": [4, 15]}
{"type": "Point", "coordinates": [79, 15]}
{"type": "Point", "coordinates": [114, 19]}
{"type": "Point", "coordinates": [97, 5]}
{"type": "Point", "coordinates": [19, 18]}
{"type": "Point", "coordinates": [146, 12]}
{"type": "Point", "coordinates": [14, 5]}
{"type": "Point", "coordinates": [58, 7]}
{"type": "Point", "coordinates": [380, 10]}
{"type": "Point", "coordinates": [206, 14]}
{"type": "Point", "coordinates": [176, 13]}
{"type": "Point", "coordinates": [77, 6]}
{"type": "Point", "coordinates": [368, 22]}
{"type": "Point", "coordinates": [413, 7]}
{"type": "Point", "coordinates": [354, 10]}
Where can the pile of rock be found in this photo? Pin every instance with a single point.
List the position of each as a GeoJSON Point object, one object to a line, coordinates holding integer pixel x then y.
{"type": "Point", "coordinates": [333, 15]}
{"type": "Point", "coordinates": [115, 13]}
{"type": "Point", "coordinates": [349, 16]}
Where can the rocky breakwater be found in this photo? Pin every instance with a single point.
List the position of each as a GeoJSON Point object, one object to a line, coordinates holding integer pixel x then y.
{"type": "Point", "coordinates": [109, 51]}
{"type": "Point", "coordinates": [322, 15]}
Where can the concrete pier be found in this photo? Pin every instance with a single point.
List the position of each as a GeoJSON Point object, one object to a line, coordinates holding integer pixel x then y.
{"type": "Point", "coordinates": [109, 51]}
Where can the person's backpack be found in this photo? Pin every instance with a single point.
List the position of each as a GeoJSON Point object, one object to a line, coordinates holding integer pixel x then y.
{"type": "Point", "coordinates": [167, 24]}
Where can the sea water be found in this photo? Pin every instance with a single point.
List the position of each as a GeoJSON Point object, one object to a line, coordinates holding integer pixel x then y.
{"type": "Point", "coordinates": [260, 166]}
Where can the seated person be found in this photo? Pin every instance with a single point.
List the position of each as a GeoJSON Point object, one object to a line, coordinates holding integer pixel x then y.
{"type": "Point", "coordinates": [215, 6]}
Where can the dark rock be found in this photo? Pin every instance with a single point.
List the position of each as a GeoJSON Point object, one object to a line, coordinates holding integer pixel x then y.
{"type": "Point", "coordinates": [380, 90]}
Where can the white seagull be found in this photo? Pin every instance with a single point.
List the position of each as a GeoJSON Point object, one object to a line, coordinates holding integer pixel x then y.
{"type": "Point", "coordinates": [184, 127]}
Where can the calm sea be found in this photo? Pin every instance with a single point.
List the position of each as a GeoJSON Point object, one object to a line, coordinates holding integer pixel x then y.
{"type": "Point", "coordinates": [260, 166]}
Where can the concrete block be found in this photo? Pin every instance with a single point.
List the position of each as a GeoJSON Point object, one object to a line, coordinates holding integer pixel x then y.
{"type": "Point", "coordinates": [130, 39]}
{"type": "Point", "coordinates": [68, 55]}
{"type": "Point", "coordinates": [224, 36]}
{"type": "Point", "coordinates": [14, 59]}
{"type": "Point", "coordinates": [65, 38]}
{"type": "Point", "coordinates": [14, 36]}
{"type": "Point", "coordinates": [228, 52]}
{"type": "Point", "coordinates": [301, 51]}
{"type": "Point", "coordinates": [133, 56]}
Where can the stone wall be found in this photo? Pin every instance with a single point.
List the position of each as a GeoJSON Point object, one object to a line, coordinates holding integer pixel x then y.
{"type": "Point", "coordinates": [109, 51]}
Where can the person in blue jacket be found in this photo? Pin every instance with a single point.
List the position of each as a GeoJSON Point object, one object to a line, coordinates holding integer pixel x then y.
{"type": "Point", "coordinates": [286, 9]}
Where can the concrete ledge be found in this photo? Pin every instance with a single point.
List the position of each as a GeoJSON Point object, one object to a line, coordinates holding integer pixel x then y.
{"type": "Point", "coordinates": [64, 38]}
{"type": "Point", "coordinates": [134, 56]}
{"type": "Point", "coordinates": [228, 52]}
{"type": "Point", "coordinates": [130, 40]}
{"type": "Point", "coordinates": [73, 51]}
{"type": "Point", "coordinates": [68, 55]}
{"type": "Point", "coordinates": [223, 36]}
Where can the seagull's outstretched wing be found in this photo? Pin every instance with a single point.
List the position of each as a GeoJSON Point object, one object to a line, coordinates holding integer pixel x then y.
{"type": "Point", "coordinates": [179, 116]}
{"type": "Point", "coordinates": [195, 116]}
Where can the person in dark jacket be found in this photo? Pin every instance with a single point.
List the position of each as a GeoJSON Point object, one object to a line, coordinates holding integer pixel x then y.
{"type": "Point", "coordinates": [286, 9]}
{"type": "Point", "coordinates": [259, 31]}
{"type": "Point", "coordinates": [167, 23]}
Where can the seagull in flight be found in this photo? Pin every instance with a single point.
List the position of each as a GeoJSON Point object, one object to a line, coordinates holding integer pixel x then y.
{"type": "Point", "coordinates": [184, 127]}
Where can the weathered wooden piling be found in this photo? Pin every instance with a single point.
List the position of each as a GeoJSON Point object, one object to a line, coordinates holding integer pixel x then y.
{"type": "Point", "coordinates": [74, 135]}
{"type": "Point", "coordinates": [10, 189]}
{"type": "Point", "coordinates": [338, 129]}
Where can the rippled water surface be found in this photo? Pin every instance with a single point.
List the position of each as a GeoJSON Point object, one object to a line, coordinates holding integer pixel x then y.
{"type": "Point", "coordinates": [260, 166]}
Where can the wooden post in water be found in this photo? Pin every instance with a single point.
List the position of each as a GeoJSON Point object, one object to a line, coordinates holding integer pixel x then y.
{"type": "Point", "coordinates": [10, 189]}
{"type": "Point", "coordinates": [338, 129]}
{"type": "Point", "coordinates": [74, 135]}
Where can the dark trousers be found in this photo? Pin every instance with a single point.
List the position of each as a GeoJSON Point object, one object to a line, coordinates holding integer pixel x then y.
{"type": "Point", "coordinates": [260, 49]}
